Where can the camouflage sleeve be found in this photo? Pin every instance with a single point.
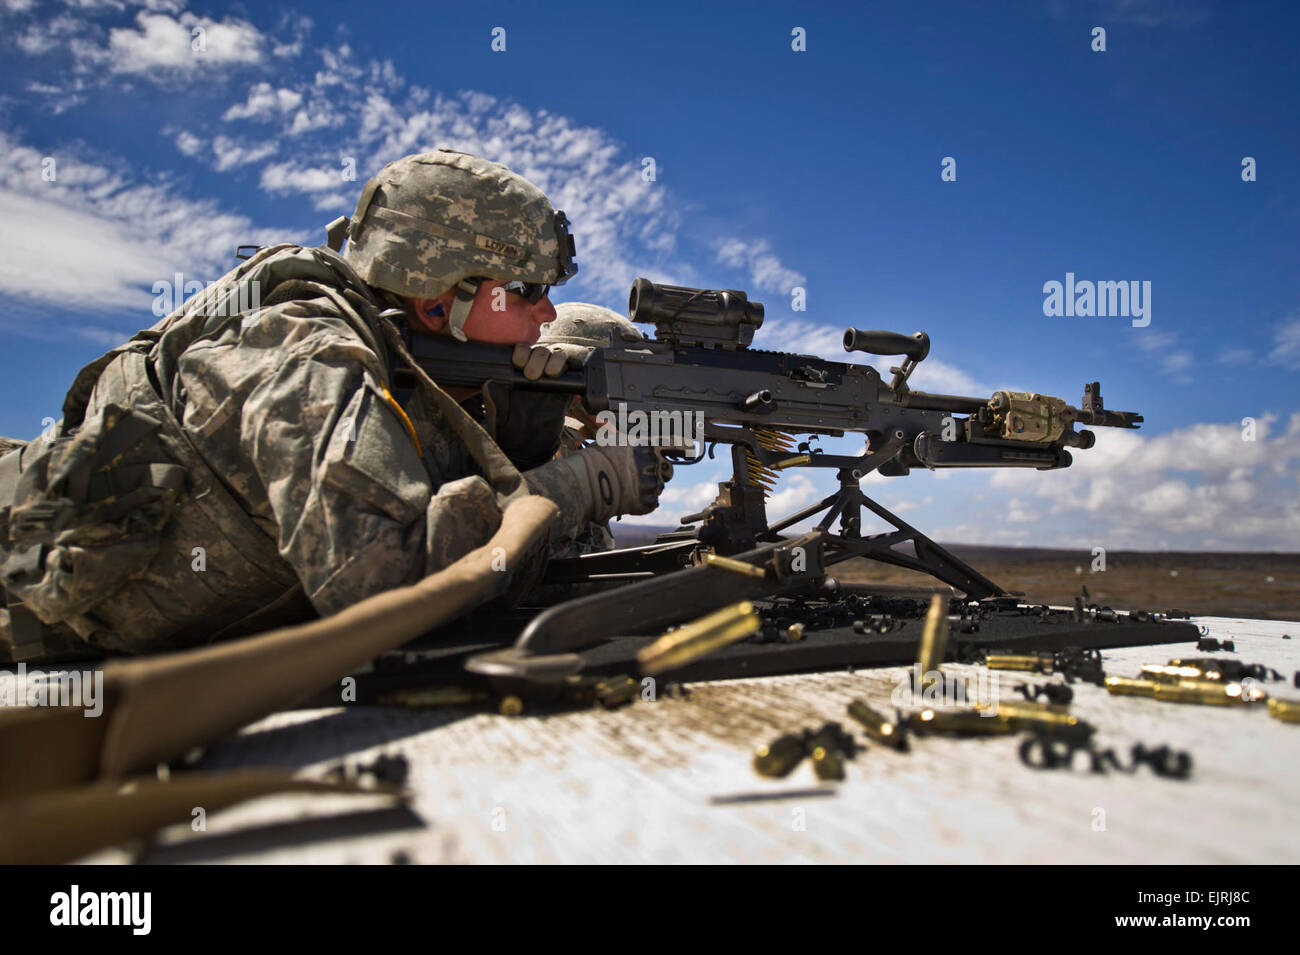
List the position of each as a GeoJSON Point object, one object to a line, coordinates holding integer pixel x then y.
{"type": "Point", "coordinates": [558, 481]}
{"type": "Point", "coordinates": [290, 407]}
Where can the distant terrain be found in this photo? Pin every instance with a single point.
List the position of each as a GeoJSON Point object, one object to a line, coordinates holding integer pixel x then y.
{"type": "Point", "coordinates": [1211, 583]}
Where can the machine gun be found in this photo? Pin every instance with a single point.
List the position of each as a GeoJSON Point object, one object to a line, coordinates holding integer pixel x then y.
{"type": "Point", "coordinates": [699, 378]}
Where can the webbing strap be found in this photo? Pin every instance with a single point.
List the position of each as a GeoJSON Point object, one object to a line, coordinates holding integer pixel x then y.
{"type": "Point", "coordinates": [466, 290]}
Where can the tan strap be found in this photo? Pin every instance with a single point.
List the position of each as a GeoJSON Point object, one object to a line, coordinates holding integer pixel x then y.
{"type": "Point", "coordinates": [65, 824]}
{"type": "Point", "coordinates": [156, 708]}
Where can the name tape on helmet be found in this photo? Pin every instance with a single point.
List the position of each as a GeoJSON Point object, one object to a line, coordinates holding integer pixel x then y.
{"type": "Point", "coordinates": [489, 244]}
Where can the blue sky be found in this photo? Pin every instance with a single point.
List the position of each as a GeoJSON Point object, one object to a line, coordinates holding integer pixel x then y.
{"type": "Point", "coordinates": [774, 169]}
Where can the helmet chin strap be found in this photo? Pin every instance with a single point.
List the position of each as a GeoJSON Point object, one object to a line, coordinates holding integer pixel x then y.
{"type": "Point", "coordinates": [466, 289]}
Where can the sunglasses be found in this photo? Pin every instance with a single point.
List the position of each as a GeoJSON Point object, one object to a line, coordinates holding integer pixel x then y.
{"type": "Point", "coordinates": [533, 291]}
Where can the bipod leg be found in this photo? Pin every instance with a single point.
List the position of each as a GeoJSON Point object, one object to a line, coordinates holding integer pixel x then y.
{"type": "Point", "coordinates": [930, 557]}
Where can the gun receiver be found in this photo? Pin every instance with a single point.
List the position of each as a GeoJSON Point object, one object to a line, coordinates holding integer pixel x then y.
{"type": "Point", "coordinates": [700, 368]}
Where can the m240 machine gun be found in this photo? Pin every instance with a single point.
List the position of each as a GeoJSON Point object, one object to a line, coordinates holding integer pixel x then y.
{"type": "Point", "coordinates": [699, 378]}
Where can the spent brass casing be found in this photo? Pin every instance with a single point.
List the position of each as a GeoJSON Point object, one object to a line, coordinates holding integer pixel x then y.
{"type": "Point", "coordinates": [1123, 686]}
{"type": "Point", "coordinates": [794, 632]}
{"type": "Point", "coordinates": [878, 726]}
{"type": "Point", "coordinates": [958, 721]}
{"type": "Point", "coordinates": [735, 566]}
{"type": "Point", "coordinates": [1027, 716]}
{"type": "Point", "coordinates": [934, 640]}
{"type": "Point", "coordinates": [616, 691]}
{"type": "Point", "coordinates": [1173, 673]}
{"type": "Point", "coordinates": [1205, 692]}
{"type": "Point", "coordinates": [1288, 711]}
{"type": "Point", "coordinates": [827, 764]}
{"type": "Point", "coordinates": [430, 696]}
{"type": "Point", "coordinates": [1017, 661]}
{"type": "Point", "coordinates": [698, 638]}
{"type": "Point", "coordinates": [1212, 692]}
{"type": "Point", "coordinates": [779, 757]}
{"type": "Point", "coordinates": [1208, 695]}
{"type": "Point", "coordinates": [823, 747]}
{"type": "Point", "coordinates": [511, 706]}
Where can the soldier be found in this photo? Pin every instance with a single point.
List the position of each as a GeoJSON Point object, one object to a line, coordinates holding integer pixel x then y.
{"type": "Point", "coordinates": [234, 468]}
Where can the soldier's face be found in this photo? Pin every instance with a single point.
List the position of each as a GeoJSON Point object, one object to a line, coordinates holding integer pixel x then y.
{"type": "Point", "coordinates": [497, 317]}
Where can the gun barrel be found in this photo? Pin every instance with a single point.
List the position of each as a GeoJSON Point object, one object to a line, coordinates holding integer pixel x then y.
{"type": "Point", "coordinates": [961, 404]}
{"type": "Point", "coordinates": [1106, 419]}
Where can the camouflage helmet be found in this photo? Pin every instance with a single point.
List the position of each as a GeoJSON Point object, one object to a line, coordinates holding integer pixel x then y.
{"type": "Point", "coordinates": [578, 323]}
{"type": "Point", "coordinates": [433, 221]}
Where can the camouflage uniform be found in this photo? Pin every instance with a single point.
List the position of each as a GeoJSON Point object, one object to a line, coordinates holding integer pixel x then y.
{"type": "Point", "coordinates": [229, 462]}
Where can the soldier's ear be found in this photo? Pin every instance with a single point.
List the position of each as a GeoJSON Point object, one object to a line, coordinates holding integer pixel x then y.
{"type": "Point", "coordinates": [430, 313]}
{"type": "Point", "coordinates": [431, 308]}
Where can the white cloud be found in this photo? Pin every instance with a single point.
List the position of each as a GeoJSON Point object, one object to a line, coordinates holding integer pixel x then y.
{"type": "Point", "coordinates": [1286, 343]}
{"type": "Point", "coordinates": [163, 44]}
{"type": "Point", "coordinates": [264, 102]}
{"type": "Point", "coordinates": [762, 265]}
{"type": "Point", "coordinates": [316, 116]}
{"type": "Point", "coordinates": [339, 202]}
{"type": "Point", "coordinates": [188, 143]}
{"type": "Point", "coordinates": [298, 27]}
{"type": "Point", "coordinates": [59, 98]}
{"type": "Point", "coordinates": [230, 153]}
{"type": "Point", "coordinates": [42, 36]}
{"type": "Point", "coordinates": [290, 177]}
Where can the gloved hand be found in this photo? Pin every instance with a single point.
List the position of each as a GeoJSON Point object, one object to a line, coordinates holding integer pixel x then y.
{"type": "Point", "coordinates": [526, 424]}
{"type": "Point", "coordinates": [620, 479]}
{"type": "Point", "coordinates": [550, 360]}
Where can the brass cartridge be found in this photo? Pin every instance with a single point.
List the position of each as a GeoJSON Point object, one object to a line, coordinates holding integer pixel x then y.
{"type": "Point", "coordinates": [779, 758]}
{"type": "Point", "coordinates": [877, 726]}
{"type": "Point", "coordinates": [698, 638]}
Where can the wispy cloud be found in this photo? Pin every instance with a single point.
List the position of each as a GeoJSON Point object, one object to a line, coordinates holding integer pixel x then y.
{"type": "Point", "coordinates": [97, 236]}
{"type": "Point", "coordinates": [761, 263]}
{"type": "Point", "coordinates": [1171, 359]}
{"type": "Point", "coordinates": [1286, 342]}
{"type": "Point", "coordinates": [264, 102]}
